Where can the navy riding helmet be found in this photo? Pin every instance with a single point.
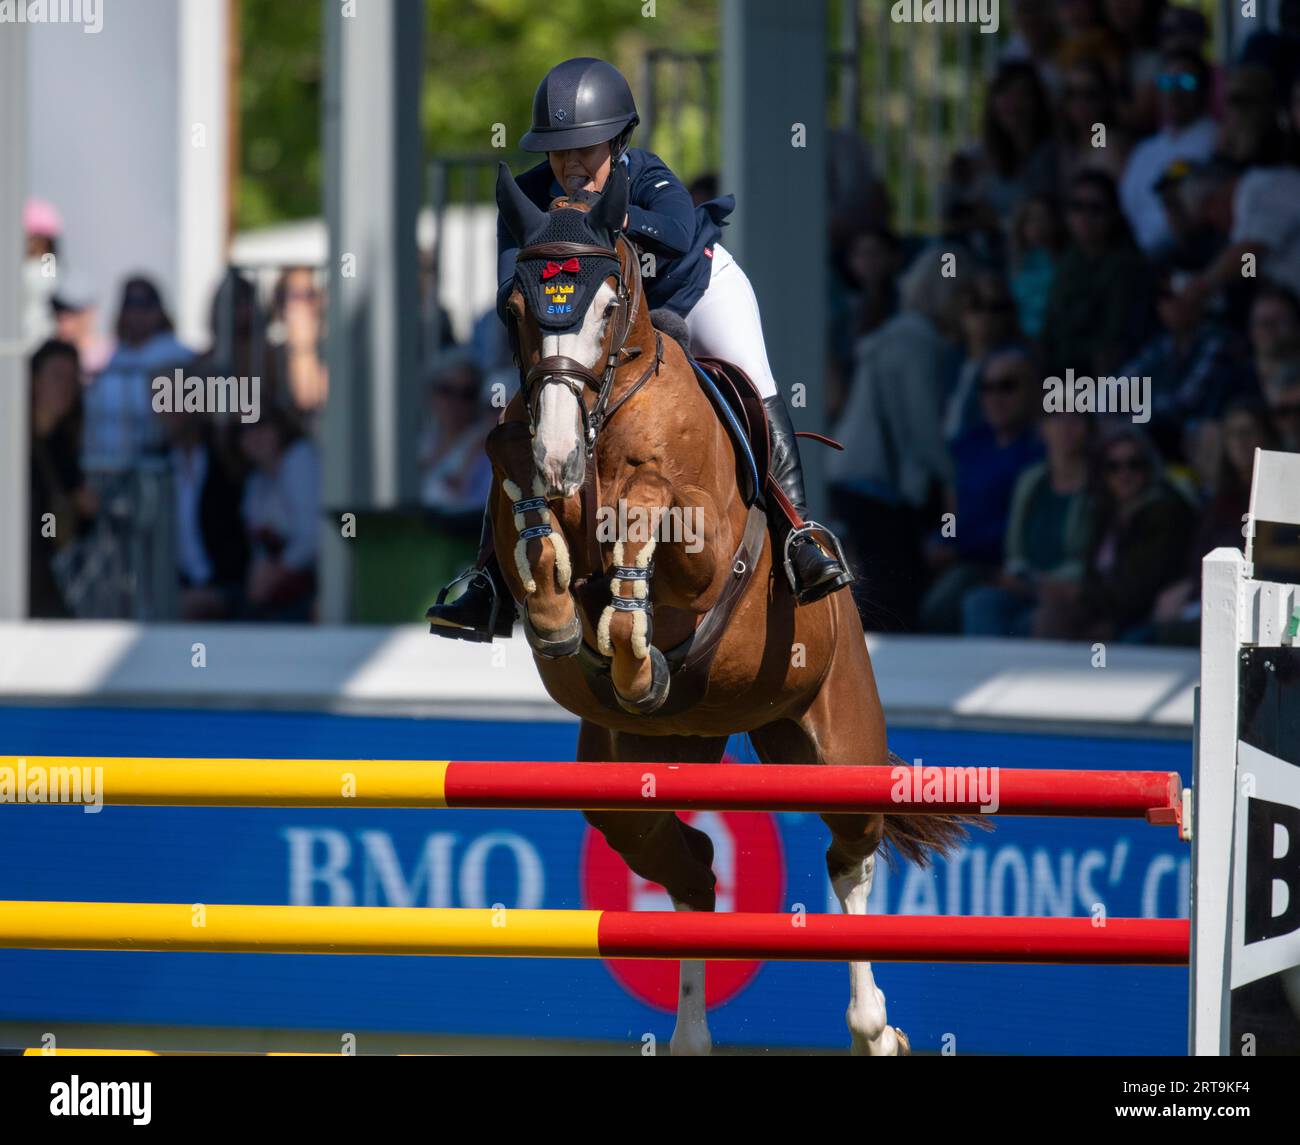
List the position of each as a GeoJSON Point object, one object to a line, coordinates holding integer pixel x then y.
{"type": "Point", "coordinates": [580, 103]}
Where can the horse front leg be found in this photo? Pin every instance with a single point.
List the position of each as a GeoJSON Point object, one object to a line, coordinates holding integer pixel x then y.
{"type": "Point", "coordinates": [638, 669]}
{"type": "Point", "coordinates": [533, 552]}
{"type": "Point", "coordinates": [544, 570]}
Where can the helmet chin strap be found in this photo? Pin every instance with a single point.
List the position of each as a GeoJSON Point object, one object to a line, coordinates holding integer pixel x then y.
{"type": "Point", "coordinates": [619, 146]}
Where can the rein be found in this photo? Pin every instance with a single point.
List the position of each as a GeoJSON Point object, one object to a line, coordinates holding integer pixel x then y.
{"type": "Point", "coordinates": [561, 370]}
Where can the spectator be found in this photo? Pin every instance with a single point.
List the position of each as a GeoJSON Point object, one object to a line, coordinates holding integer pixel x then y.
{"type": "Point", "coordinates": [61, 504]}
{"type": "Point", "coordinates": [1098, 307]}
{"type": "Point", "coordinates": [436, 322]}
{"type": "Point", "coordinates": [1036, 38]}
{"type": "Point", "coordinates": [1274, 339]}
{"type": "Point", "coordinates": [120, 423]}
{"type": "Point", "coordinates": [1047, 532]}
{"type": "Point", "coordinates": [1284, 406]}
{"type": "Point", "coordinates": [1190, 364]}
{"type": "Point", "coordinates": [211, 547]}
{"type": "Point", "coordinates": [988, 461]}
{"type": "Point", "coordinates": [73, 306]}
{"type": "Point", "coordinates": [887, 486]}
{"type": "Point", "coordinates": [1265, 226]}
{"type": "Point", "coordinates": [1187, 30]}
{"type": "Point", "coordinates": [1037, 242]}
{"type": "Point", "coordinates": [1085, 35]}
{"type": "Point", "coordinates": [1137, 23]}
{"type": "Point", "coordinates": [282, 518]}
{"type": "Point", "coordinates": [1088, 101]}
{"type": "Point", "coordinates": [1143, 528]}
{"type": "Point", "coordinates": [42, 227]}
{"type": "Point", "coordinates": [238, 334]}
{"type": "Point", "coordinates": [1278, 47]}
{"type": "Point", "coordinates": [988, 323]}
{"type": "Point", "coordinates": [899, 391]}
{"type": "Point", "coordinates": [1252, 134]}
{"type": "Point", "coordinates": [1197, 199]}
{"type": "Point", "coordinates": [1246, 426]}
{"type": "Point", "coordinates": [1293, 123]}
{"type": "Point", "coordinates": [1018, 155]}
{"type": "Point", "coordinates": [296, 335]}
{"type": "Point", "coordinates": [1187, 133]}
{"type": "Point", "coordinates": [863, 294]}
{"type": "Point", "coordinates": [455, 473]}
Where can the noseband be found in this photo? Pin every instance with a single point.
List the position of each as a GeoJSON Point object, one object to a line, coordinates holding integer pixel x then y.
{"type": "Point", "coordinates": [561, 370]}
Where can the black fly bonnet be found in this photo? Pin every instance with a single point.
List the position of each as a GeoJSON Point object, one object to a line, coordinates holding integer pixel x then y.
{"type": "Point", "coordinates": [564, 256]}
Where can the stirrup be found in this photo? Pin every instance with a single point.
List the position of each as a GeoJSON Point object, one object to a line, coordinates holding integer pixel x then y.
{"type": "Point", "coordinates": [804, 532]}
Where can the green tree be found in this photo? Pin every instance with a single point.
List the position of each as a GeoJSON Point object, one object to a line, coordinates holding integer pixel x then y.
{"type": "Point", "coordinates": [279, 90]}
{"type": "Point", "coordinates": [485, 58]}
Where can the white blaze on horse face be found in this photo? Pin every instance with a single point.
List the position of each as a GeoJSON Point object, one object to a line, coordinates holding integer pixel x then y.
{"type": "Point", "coordinates": [558, 445]}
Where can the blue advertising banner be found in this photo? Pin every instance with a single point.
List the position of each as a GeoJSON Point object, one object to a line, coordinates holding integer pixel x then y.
{"type": "Point", "coordinates": [552, 860]}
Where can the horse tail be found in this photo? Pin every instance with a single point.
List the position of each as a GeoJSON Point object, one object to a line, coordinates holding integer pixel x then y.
{"type": "Point", "coordinates": [919, 838]}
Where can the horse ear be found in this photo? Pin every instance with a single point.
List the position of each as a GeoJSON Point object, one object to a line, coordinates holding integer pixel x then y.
{"type": "Point", "coordinates": [608, 213]}
{"type": "Point", "coordinates": [520, 214]}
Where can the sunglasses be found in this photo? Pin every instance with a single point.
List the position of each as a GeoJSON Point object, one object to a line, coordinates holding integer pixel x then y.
{"type": "Point", "coordinates": [1083, 93]}
{"type": "Point", "coordinates": [1177, 81]}
{"type": "Point", "coordinates": [1090, 206]}
{"type": "Point", "coordinates": [454, 392]}
{"type": "Point", "coordinates": [1126, 464]}
{"type": "Point", "coordinates": [1286, 412]}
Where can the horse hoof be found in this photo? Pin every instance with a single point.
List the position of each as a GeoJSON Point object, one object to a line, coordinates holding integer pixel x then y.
{"type": "Point", "coordinates": [654, 698]}
{"type": "Point", "coordinates": [558, 645]}
{"type": "Point", "coordinates": [904, 1045]}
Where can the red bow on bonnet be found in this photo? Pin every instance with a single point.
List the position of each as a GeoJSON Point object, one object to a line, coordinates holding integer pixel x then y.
{"type": "Point", "coordinates": [554, 268]}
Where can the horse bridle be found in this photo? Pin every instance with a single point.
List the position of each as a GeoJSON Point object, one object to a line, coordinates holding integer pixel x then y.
{"type": "Point", "coordinates": [561, 370]}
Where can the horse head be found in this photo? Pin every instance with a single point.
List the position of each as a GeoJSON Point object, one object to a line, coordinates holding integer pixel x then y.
{"type": "Point", "coordinates": [570, 308]}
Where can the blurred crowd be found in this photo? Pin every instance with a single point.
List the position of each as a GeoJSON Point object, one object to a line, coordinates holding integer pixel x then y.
{"type": "Point", "coordinates": [1131, 211]}
{"type": "Point", "coordinates": [243, 494]}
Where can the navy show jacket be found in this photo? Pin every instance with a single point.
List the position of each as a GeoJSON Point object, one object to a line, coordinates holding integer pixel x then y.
{"type": "Point", "coordinates": [662, 220]}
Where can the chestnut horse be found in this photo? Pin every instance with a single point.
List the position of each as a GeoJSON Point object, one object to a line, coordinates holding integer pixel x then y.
{"type": "Point", "coordinates": [612, 425]}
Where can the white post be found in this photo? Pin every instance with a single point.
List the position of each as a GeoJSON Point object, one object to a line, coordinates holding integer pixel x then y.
{"type": "Point", "coordinates": [1214, 786]}
{"type": "Point", "coordinates": [203, 145]}
{"type": "Point", "coordinates": [14, 446]}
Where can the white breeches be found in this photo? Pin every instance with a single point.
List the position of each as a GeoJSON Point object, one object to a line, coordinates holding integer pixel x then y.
{"type": "Point", "coordinates": [725, 322]}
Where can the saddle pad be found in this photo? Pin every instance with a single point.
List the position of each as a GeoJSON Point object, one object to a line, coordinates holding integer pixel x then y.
{"type": "Point", "coordinates": [727, 400]}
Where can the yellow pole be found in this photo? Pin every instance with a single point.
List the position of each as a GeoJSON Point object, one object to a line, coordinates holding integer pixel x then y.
{"type": "Point", "coordinates": [298, 929]}
{"type": "Point", "coordinates": [231, 782]}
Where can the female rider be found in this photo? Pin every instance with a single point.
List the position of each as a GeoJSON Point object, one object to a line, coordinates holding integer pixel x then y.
{"type": "Point", "coordinates": [583, 118]}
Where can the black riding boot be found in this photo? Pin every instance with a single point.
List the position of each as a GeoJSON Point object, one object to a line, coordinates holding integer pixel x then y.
{"type": "Point", "coordinates": [813, 571]}
{"type": "Point", "coordinates": [477, 605]}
